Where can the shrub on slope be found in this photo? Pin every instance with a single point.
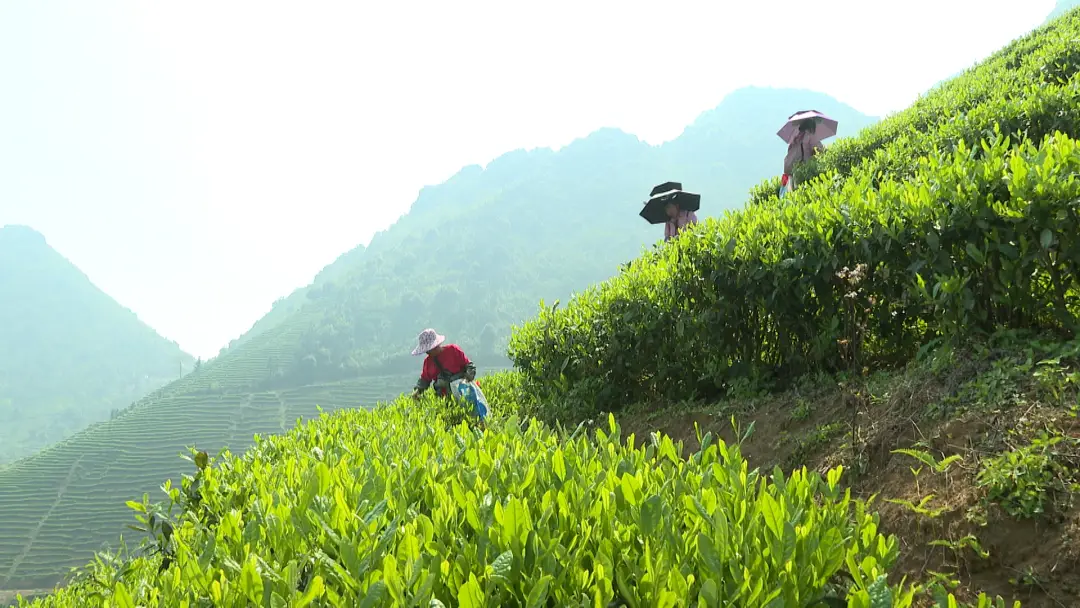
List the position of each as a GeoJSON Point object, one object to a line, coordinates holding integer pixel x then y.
{"type": "Point", "coordinates": [945, 236]}
{"type": "Point", "coordinates": [1028, 89]}
{"type": "Point", "coordinates": [395, 507]}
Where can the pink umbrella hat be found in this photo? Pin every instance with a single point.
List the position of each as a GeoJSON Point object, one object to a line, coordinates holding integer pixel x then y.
{"type": "Point", "coordinates": [826, 127]}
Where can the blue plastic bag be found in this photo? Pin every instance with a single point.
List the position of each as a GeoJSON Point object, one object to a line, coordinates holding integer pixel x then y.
{"type": "Point", "coordinates": [470, 393]}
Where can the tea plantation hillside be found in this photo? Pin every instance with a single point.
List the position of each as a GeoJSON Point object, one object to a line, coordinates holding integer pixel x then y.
{"type": "Point", "coordinates": [67, 501]}
{"type": "Point", "coordinates": [359, 317]}
{"type": "Point", "coordinates": [474, 254]}
{"type": "Point", "coordinates": [69, 354]}
{"type": "Point", "coordinates": [955, 217]}
{"type": "Point", "coordinates": [1062, 7]}
{"type": "Point", "coordinates": [927, 230]}
{"type": "Point", "coordinates": [911, 242]}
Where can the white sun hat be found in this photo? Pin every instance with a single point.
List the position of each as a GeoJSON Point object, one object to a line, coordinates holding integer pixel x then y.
{"type": "Point", "coordinates": [427, 340]}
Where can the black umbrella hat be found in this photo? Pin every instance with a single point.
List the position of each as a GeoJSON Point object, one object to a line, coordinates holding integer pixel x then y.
{"type": "Point", "coordinates": [668, 192]}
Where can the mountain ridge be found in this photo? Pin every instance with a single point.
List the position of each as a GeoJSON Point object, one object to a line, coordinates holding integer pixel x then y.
{"type": "Point", "coordinates": [709, 156]}
{"type": "Point", "coordinates": [69, 353]}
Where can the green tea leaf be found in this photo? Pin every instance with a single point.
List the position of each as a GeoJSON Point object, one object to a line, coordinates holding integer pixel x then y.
{"type": "Point", "coordinates": [709, 595]}
{"type": "Point", "coordinates": [122, 597]}
{"type": "Point", "coordinates": [708, 554]}
{"type": "Point", "coordinates": [471, 595]}
{"type": "Point", "coordinates": [504, 564]}
{"type": "Point", "coordinates": [539, 594]}
{"type": "Point", "coordinates": [975, 254]}
{"type": "Point", "coordinates": [315, 590]}
{"type": "Point", "coordinates": [772, 511]}
{"type": "Point", "coordinates": [377, 595]}
{"type": "Point", "coordinates": [558, 466]}
{"type": "Point", "coordinates": [651, 512]}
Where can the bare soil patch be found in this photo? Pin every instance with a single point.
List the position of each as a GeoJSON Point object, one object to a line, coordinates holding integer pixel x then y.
{"type": "Point", "coordinates": [971, 409]}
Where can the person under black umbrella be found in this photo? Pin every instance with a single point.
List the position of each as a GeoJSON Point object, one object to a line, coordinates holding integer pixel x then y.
{"type": "Point", "coordinates": [670, 205]}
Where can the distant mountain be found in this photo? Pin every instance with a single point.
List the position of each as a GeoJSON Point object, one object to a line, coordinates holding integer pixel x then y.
{"type": "Point", "coordinates": [475, 254]}
{"type": "Point", "coordinates": [1062, 7]}
{"type": "Point", "coordinates": [69, 354]}
{"type": "Point", "coordinates": [283, 307]}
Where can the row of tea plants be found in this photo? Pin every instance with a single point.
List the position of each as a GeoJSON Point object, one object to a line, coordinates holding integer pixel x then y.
{"type": "Point", "coordinates": [929, 235]}
{"type": "Point", "coordinates": [396, 507]}
{"type": "Point", "coordinates": [1028, 88]}
{"type": "Point", "coordinates": [969, 243]}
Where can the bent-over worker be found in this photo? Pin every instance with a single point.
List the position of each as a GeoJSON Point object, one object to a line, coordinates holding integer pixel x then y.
{"type": "Point", "coordinates": [445, 363]}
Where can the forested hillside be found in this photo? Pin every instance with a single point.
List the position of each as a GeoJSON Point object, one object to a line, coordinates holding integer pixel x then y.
{"type": "Point", "coordinates": [69, 354]}
{"type": "Point", "coordinates": [285, 306]}
{"type": "Point", "coordinates": [911, 313]}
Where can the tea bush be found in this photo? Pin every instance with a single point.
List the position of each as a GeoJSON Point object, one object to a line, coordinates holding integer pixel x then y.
{"type": "Point", "coordinates": [929, 235]}
{"type": "Point", "coordinates": [1027, 89]}
{"type": "Point", "coordinates": [1026, 480]}
{"type": "Point", "coordinates": [395, 507]}
{"type": "Point", "coordinates": [506, 394]}
{"type": "Point", "coordinates": [967, 244]}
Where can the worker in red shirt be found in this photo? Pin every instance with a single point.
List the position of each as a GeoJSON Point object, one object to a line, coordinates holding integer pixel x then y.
{"type": "Point", "coordinates": [444, 364]}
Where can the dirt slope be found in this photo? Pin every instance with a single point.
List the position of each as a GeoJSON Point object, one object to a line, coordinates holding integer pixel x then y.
{"type": "Point", "coordinates": [1002, 517]}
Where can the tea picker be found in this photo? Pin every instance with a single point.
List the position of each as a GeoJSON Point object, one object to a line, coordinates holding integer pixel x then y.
{"type": "Point", "coordinates": [803, 133]}
{"type": "Point", "coordinates": [674, 207]}
{"type": "Point", "coordinates": [670, 205]}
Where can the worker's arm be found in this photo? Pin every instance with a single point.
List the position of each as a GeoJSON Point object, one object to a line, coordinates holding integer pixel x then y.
{"type": "Point", "coordinates": [468, 368]}
{"type": "Point", "coordinates": [424, 382]}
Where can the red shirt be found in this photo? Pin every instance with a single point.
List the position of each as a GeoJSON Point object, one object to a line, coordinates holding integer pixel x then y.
{"type": "Point", "coordinates": [451, 357]}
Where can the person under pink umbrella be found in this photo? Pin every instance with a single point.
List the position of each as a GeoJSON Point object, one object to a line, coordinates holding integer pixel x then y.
{"type": "Point", "coordinates": [803, 133]}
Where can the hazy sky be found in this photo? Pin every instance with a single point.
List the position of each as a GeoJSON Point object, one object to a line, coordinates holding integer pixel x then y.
{"type": "Point", "coordinates": [200, 159]}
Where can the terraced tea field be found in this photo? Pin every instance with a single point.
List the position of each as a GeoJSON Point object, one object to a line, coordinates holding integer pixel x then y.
{"type": "Point", "coordinates": [66, 502]}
